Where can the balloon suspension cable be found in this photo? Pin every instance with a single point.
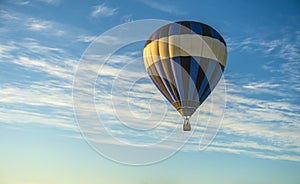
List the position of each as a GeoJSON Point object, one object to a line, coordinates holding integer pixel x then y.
{"type": "Point", "coordinates": [186, 124]}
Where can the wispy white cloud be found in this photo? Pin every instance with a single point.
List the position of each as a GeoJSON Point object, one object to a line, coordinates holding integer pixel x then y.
{"type": "Point", "coordinates": [37, 25]}
{"type": "Point", "coordinates": [33, 56]}
{"type": "Point", "coordinates": [18, 22]}
{"type": "Point", "coordinates": [103, 10]}
{"type": "Point", "coordinates": [127, 18]}
{"type": "Point", "coordinates": [285, 47]}
{"type": "Point", "coordinates": [258, 126]}
{"type": "Point", "coordinates": [279, 57]}
{"type": "Point", "coordinates": [84, 38]}
{"type": "Point", "coordinates": [5, 50]}
{"type": "Point", "coordinates": [108, 40]}
{"type": "Point", "coordinates": [5, 15]}
{"type": "Point", "coordinates": [36, 83]}
{"type": "Point", "coordinates": [256, 85]}
{"type": "Point", "coordinates": [19, 116]}
{"type": "Point", "coordinates": [20, 2]}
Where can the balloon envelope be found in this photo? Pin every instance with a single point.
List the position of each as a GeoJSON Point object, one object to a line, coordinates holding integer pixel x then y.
{"type": "Point", "coordinates": [185, 60]}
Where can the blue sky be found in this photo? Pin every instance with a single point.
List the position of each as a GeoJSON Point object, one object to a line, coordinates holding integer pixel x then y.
{"type": "Point", "coordinates": [42, 43]}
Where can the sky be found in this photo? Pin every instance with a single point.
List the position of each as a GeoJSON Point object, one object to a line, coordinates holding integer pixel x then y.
{"type": "Point", "coordinates": [57, 83]}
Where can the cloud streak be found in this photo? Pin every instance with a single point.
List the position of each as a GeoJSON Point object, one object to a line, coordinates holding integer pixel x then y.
{"type": "Point", "coordinates": [103, 10]}
{"type": "Point", "coordinates": [18, 22]}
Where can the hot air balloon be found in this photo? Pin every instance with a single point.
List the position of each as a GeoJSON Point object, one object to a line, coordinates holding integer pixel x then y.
{"type": "Point", "coordinates": [185, 60]}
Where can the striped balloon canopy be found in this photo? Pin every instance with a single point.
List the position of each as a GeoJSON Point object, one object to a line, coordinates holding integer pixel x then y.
{"type": "Point", "coordinates": [185, 60]}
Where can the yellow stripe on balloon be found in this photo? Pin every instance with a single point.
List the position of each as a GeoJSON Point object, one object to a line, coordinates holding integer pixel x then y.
{"type": "Point", "coordinates": [185, 45]}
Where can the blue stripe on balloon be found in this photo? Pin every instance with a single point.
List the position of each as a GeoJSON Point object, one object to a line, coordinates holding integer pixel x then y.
{"type": "Point", "coordinates": [205, 96]}
{"type": "Point", "coordinates": [214, 33]}
{"type": "Point", "coordinates": [196, 28]}
{"type": "Point", "coordinates": [164, 79]}
{"type": "Point", "coordinates": [213, 83]}
{"type": "Point", "coordinates": [222, 68]}
{"type": "Point", "coordinates": [208, 74]}
{"type": "Point", "coordinates": [194, 68]}
{"type": "Point", "coordinates": [160, 88]}
{"type": "Point", "coordinates": [176, 67]}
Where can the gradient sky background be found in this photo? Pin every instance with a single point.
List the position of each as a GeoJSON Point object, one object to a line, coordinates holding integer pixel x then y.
{"type": "Point", "coordinates": [42, 41]}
